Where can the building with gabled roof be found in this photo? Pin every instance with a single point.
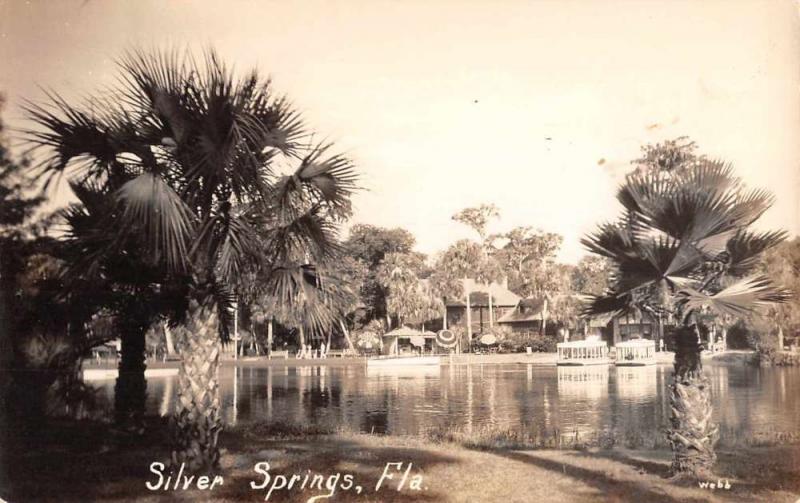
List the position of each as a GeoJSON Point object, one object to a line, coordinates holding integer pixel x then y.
{"type": "Point", "coordinates": [503, 301]}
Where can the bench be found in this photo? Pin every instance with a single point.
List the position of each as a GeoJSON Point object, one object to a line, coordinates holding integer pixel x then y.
{"type": "Point", "coordinates": [279, 354]}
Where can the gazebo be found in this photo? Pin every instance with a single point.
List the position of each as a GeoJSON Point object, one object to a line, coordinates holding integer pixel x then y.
{"type": "Point", "coordinates": [403, 339]}
{"type": "Point", "coordinates": [635, 353]}
{"type": "Point", "coordinates": [591, 351]}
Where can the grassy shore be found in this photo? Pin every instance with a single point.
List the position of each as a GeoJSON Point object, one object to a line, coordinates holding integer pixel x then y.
{"type": "Point", "coordinates": [69, 461]}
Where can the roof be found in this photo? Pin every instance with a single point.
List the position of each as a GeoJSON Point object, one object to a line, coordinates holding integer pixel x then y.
{"type": "Point", "coordinates": [601, 320]}
{"type": "Point", "coordinates": [405, 332]}
{"type": "Point", "coordinates": [501, 296]}
{"type": "Point", "coordinates": [582, 344]}
{"type": "Point", "coordinates": [526, 310]}
{"type": "Point", "coordinates": [634, 343]}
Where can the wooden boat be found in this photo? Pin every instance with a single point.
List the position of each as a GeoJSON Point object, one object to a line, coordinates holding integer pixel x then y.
{"type": "Point", "coordinates": [582, 353]}
{"type": "Point", "coordinates": [635, 353]}
{"type": "Point", "coordinates": [402, 361]}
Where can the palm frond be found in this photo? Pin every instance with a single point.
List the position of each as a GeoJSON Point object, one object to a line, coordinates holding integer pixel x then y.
{"type": "Point", "coordinates": [594, 305]}
{"type": "Point", "coordinates": [640, 190]}
{"type": "Point", "coordinates": [151, 207]}
{"type": "Point", "coordinates": [739, 299]}
{"type": "Point", "coordinates": [308, 235]}
{"type": "Point", "coordinates": [239, 247]}
{"type": "Point", "coordinates": [67, 133]}
{"type": "Point", "coordinates": [332, 179]}
{"type": "Point", "coordinates": [742, 251]}
{"type": "Point", "coordinates": [611, 241]}
{"type": "Point", "coordinates": [710, 175]}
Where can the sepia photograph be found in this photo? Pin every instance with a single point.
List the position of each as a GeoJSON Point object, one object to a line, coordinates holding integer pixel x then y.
{"type": "Point", "coordinates": [399, 251]}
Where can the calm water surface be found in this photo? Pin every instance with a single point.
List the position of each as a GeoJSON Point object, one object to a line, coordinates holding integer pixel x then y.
{"type": "Point", "coordinates": [747, 400]}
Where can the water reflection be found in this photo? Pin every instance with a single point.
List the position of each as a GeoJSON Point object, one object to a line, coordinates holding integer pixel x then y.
{"type": "Point", "coordinates": [583, 383]}
{"type": "Point", "coordinates": [410, 400]}
{"type": "Point", "coordinates": [637, 383]}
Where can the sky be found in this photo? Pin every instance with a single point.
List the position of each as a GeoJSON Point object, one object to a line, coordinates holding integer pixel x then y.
{"type": "Point", "coordinates": [536, 107]}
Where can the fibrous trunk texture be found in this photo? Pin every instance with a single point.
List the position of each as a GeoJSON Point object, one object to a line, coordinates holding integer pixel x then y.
{"type": "Point", "coordinates": [197, 423]}
{"type": "Point", "coordinates": [692, 434]}
{"type": "Point", "coordinates": [131, 388]}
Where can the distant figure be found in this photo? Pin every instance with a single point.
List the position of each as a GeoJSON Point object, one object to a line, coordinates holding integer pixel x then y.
{"type": "Point", "coordinates": [322, 350]}
{"type": "Point", "coordinates": [661, 345]}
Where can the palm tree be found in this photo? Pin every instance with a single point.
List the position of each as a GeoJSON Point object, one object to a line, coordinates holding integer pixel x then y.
{"type": "Point", "coordinates": [313, 304]}
{"type": "Point", "coordinates": [193, 158]}
{"type": "Point", "coordinates": [122, 284]}
{"type": "Point", "coordinates": [682, 251]}
{"type": "Point", "coordinates": [407, 298]}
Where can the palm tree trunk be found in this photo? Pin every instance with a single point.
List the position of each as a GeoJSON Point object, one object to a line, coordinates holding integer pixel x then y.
{"type": "Point", "coordinates": [692, 434]}
{"type": "Point", "coordinates": [491, 310]}
{"type": "Point", "coordinates": [543, 325]}
{"type": "Point", "coordinates": [346, 335]}
{"type": "Point", "coordinates": [469, 316]}
{"type": "Point", "coordinates": [269, 335]}
{"type": "Point", "coordinates": [444, 316]}
{"type": "Point", "coordinates": [130, 390]}
{"type": "Point", "coordinates": [197, 422]}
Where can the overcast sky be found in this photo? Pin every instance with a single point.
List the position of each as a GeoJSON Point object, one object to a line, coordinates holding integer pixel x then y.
{"type": "Point", "coordinates": [449, 104]}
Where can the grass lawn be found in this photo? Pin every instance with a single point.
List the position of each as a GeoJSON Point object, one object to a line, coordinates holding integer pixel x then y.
{"type": "Point", "coordinates": [81, 462]}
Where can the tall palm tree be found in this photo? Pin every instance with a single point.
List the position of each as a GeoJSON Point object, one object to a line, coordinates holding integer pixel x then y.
{"type": "Point", "coordinates": [215, 177]}
{"type": "Point", "coordinates": [682, 251]}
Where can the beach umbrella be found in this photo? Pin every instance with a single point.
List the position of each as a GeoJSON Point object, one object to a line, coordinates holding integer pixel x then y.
{"type": "Point", "coordinates": [417, 340]}
{"type": "Point", "coordinates": [488, 339]}
{"type": "Point", "coordinates": [446, 338]}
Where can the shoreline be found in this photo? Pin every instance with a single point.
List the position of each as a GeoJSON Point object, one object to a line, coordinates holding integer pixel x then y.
{"type": "Point", "coordinates": [536, 359]}
{"type": "Point", "coordinates": [111, 466]}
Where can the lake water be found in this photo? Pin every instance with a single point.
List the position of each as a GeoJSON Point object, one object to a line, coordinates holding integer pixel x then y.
{"type": "Point", "coordinates": [747, 400]}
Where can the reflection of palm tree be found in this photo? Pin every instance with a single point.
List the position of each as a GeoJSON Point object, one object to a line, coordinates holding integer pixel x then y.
{"type": "Point", "coordinates": [166, 397]}
{"type": "Point", "coordinates": [678, 251]}
{"type": "Point", "coordinates": [188, 154]}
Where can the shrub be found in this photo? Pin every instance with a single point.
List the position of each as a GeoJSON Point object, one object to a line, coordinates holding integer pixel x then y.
{"type": "Point", "coordinates": [738, 336]}
{"type": "Point", "coordinates": [518, 341]}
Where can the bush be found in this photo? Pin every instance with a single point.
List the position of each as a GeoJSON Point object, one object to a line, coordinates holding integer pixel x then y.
{"type": "Point", "coordinates": [518, 341]}
{"type": "Point", "coordinates": [542, 343]}
{"type": "Point", "coordinates": [738, 336]}
{"type": "Point", "coordinates": [761, 338]}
